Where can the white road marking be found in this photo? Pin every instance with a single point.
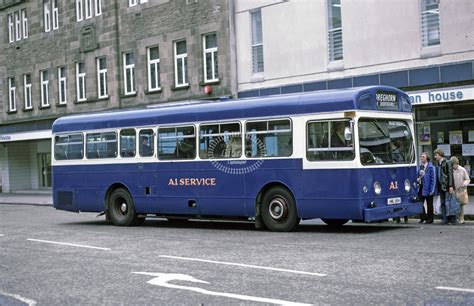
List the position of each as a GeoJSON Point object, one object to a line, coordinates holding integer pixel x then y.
{"type": "Point", "coordinates": [2, 235]}
{"type": "Point", "coordinates": [162, 279]}
{"type": "Point", "coordinates": [455, 289]}
{"type": "Point", "coordinates": [244, 265]}
{"type": "Point", "coordinates": [70, 244]}
{"type": "Point", "coordinates": [19, 298]}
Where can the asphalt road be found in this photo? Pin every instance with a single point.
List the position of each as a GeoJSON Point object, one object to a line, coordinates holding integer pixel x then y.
{"type": "Point", "coordinates": [50, 257]}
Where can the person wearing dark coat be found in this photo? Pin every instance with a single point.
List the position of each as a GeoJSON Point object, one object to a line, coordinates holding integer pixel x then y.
{"type": "Point", "coordinates": [444, 183]}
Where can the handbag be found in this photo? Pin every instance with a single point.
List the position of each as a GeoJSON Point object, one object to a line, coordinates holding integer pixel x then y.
{"type": "Point", "coordinates": [452, 205]}
{"type": "Point", "coordinates": [461, 195]}
{"type": "Point", "coordinates": [437, 205]}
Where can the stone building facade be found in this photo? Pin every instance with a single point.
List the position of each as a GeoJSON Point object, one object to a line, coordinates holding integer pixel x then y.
{"type": "Point", "coordinates": [61, 57]}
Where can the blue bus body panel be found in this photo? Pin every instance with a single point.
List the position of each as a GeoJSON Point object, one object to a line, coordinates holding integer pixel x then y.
{"type": "Point", "coordinates": [332, 194]}
{"type": "Point", "coordinates": [286, 105]}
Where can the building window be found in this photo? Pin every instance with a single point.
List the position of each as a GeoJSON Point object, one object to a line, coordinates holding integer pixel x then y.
{"type": "Point", "coordinates": [153, 55]}
{"type": "Point", "coordinates": [81, 81]}
{"type": "Point", "coordinates": [88, 8]}
{"type": "Point", "coordinates": [430, 23]}
{"type": "Point", "coordinates": [11, 37]}
{"type": "Point", "coordinates": [135, 2]}
{"type": "Point", "coordinates": [79, 15]}
{"type": "Point", "coordinates": [12, 94]}
{"type": "Point", "coordinates": [62, 92]}
{"type": "Point", "coordinates": [46, 16]}
{"type": "Point", "coordinates": [98, 7]}
{"type": "Point", "coordinates": [24, 18]}
{"type": "Point", "coordinates": [257, 42]}
{"type": "Point", "coordinates": [17, 26]}
{"type": "Point", "coordinates": [44, 88]}
{"type": "Point", "coordinates": [211, 67]}
{"type": "Point", "coordinates": [180, 63]}
{"type": "Point", "coordinates": [27, 86]}
{"type": "Point", "coordinates": [129, 73]}
{"type": "Point", "coordinates": [55, 14]}
{"type": "Point", "coordinates": [102, 77]}
{"type": "Point", "coordinates": [335, 30]}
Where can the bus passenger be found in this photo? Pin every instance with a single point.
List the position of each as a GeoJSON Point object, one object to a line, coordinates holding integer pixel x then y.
{"type": "Point", "coordinates": [396, 154]}
{"type": "Point", "coordinates": [337, 137]}
{"type": "Point", "coordinates": [145, 149]}
{"type": "Point", "coordinates": [185, 148]}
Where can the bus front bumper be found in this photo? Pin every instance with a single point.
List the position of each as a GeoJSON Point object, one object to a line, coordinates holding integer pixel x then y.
{"type": "Point", "coordinates": [383, 213]}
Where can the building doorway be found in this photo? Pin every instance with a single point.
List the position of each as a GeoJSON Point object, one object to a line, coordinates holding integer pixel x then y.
{"type": "Point", "coordinates": [44, 163]}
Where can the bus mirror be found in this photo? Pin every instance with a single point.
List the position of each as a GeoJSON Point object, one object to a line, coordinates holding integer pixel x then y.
{"type": "Point", "coordinates": [347, 133]}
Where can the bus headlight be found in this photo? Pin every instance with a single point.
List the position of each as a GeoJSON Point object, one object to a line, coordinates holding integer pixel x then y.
{"type": "Point", "coordinates": [407, 186]}
{"type": "Point", "coordinates": [377, 188]}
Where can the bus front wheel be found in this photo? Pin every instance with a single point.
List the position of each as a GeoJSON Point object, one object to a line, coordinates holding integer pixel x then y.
{"type": "Point", "coordinates": [122, 210]}
{"type": "Point", "coordinates": [278, 210]}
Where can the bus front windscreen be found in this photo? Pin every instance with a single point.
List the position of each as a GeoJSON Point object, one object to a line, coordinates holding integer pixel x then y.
{"type": "Point", "coordinates": [385, 141]}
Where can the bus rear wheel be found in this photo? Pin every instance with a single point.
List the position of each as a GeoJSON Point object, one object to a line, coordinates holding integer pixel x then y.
{"type": "Point", "coordinates": [335, 222]}
{"type": "Point", "coordinates": [122, 210]}
{"type": "Point", "coordinates": [278, 210]}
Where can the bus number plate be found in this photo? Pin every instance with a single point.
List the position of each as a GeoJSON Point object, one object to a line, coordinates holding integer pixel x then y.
{"type": "Point", "coordinates": [392, 201]}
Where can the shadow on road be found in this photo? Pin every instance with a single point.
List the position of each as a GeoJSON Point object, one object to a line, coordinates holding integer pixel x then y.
{"type": "Point", "coordinates": [352, 228]}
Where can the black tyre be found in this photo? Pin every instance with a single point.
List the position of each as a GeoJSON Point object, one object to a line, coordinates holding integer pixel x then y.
{"type": "Point", "coordinates": [122, 210]}
{"type": "Point", "coordinates": [335, 222]}
{"type": "Point", "coordinates": [278, 210]}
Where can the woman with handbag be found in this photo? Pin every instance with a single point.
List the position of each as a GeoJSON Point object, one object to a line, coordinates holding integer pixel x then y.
{"type": "Point", "coordinates": [461, 180]}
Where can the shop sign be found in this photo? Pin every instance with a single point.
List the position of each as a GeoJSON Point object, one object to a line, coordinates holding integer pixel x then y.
{"type": "Point", "coordinates": [442, 95]}
{"type": "Point", "coordinates": [25, 136]}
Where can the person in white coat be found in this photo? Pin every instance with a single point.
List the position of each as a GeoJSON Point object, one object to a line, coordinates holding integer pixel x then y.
{"type": "Point", "coordinates": [461, 180]}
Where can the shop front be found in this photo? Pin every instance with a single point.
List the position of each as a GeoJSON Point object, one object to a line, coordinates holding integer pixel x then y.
{"type": "Point", "coordinates": [25, 161]}
{"type": "Point", "coordinates": [445, 119]}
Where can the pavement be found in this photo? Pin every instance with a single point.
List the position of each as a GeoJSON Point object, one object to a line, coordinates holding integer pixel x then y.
{"type": "Point", "coordinates": [44, 198]}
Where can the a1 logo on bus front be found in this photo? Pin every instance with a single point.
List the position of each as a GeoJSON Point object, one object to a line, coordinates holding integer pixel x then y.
{"type": "Point", "coordinates": [229, 148]}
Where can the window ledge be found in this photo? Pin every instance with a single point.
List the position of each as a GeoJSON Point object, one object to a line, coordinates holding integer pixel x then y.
{"type": "Point", "coordinates": [12, 111]}
{"type": "Point", "coordinates": [130, 95]}
{"type": "Point", "coordinates": [89, 100]}
{"type": "Point", "coordinates": [154, 91]}
{"type": "Point", "coordinates": [257, 77]}
{"type": "Point", "coordinates": [216, 82]}
{"type": "Point", "coordinates": [45, 106]}
{"type": "Point", "coordinates": [61, 104]}
{"type": "Point", "coordinates": [431, 51]}
{"type": "Point", "coordinates": [336, 65]}
{"type": "Point", "coordinates": [174, 88]}
{"type": "Point", "coordinates": [27, 109]}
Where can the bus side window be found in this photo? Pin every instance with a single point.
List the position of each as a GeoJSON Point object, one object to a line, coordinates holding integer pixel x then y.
{"type": "Point", "coordinates": [220, 141]}
{"type": "Point", "coordinates": [69, 147]}
{"type": "Point", "coordinates": [147, 143]}
{"type": "Point", "coordinates": [326, 141]}
{"type": "Point", "coordinates": [128, 139]}
{"type": "Point", "coordinates": [175, 143]}
{"type": "Point", "coordinates": [273, 138]}
{"type": "Point", "coordinates": [101, 145]}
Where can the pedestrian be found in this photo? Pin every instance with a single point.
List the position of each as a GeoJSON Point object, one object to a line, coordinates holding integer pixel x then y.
{"type": "Point", "coordinates": [461, 180]}
{"type": "Point", "coordinates": [444, 183]}
{"type": "Point", "coordinates": [427, 184]}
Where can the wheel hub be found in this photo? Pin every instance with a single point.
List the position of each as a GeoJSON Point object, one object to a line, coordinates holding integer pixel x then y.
{"type": "Point", "coordinates": [278, 208]}
{"type": "Point", "coordinates": [123, 207]}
